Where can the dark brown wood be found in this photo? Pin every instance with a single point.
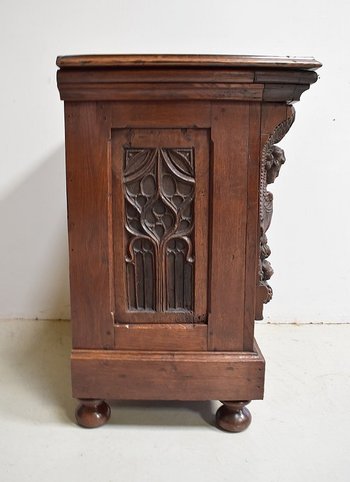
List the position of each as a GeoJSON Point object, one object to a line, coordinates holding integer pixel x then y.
{"type": "Point", "coordinates": [167, 336]}
{"type": "Point", "coordinates": [233, 416]}
{"type": "Point", "coordinates": [168, 162]}
{"type": "Point", "coordinates": [276, 121]}
{"type": "Point", "coordinates": [158, 197]}
{"type": "Point", "coordinates": [283, 92]}
{"type": "Point", "coordinates": [163, 77]}
{"type": "Point", "coordinates": [161, 74]}
{"type": "Point", "coordinates": [269, 76]}
{"type": "Point", "coordinates": [122, 375]}
{"type": "Point", "coordinates": [160, 91]}
{"type": "Point", "coordinates": [92, 413]}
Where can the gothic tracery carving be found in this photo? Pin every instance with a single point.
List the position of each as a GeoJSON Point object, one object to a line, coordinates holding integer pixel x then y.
{"type": "Point", "coordinates": [159, 187]}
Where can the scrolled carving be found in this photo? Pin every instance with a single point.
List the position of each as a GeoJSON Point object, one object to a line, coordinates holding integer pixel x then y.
{"type": "Point", "coordinates": [272, 159]}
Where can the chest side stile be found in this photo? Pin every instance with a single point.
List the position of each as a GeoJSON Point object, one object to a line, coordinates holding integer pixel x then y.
{"type": "Point", "coordinates": [230, 128]}
{"type": "Point", "coordinates": [87, 175]}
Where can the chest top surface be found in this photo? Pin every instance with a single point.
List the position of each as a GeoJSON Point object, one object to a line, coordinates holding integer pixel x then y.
{"type": "Point", "coordinates": [150, 60]}
{"type": "Point", "coordinates": [185, 77]}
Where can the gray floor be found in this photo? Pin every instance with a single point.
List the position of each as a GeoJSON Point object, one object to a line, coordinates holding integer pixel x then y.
{"type": "Point", "coordinates": [300, 432]}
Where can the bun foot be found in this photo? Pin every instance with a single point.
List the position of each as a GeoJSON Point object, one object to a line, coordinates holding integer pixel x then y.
{"type": "Point", "coordinates": [233, 416]}
{"type": "Point", "coordinates": [92, 413]}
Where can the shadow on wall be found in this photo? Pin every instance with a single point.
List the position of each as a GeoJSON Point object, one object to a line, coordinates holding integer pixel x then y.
{"type": "Point", "coordinates": [33, 245]}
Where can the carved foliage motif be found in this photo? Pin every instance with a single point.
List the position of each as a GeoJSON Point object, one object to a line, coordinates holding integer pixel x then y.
{"type": "Point", "coordinates": [271, 161]}
{"type": "Point", "coordinates": [159, 187]}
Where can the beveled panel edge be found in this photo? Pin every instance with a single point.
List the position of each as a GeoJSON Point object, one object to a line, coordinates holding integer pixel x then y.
{"type": "Point", "coordinates": [155, 337]}
{"type": "Point", "coordinates": [151, 60]}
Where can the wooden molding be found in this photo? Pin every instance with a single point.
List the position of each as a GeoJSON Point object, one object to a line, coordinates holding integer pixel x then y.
{"type": "Point", "coordinates": [130, 375]}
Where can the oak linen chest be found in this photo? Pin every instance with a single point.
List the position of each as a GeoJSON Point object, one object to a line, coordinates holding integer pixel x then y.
{"type": "Point", "coordinates": [168, 158]}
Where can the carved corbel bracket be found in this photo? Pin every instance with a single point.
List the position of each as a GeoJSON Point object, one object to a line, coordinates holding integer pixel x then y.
{"type": "Point", "coordinates": [272, 158]}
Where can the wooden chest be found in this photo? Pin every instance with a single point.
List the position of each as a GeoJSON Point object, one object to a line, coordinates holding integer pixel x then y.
{"type": "Point", "coordinates": [168, 159]}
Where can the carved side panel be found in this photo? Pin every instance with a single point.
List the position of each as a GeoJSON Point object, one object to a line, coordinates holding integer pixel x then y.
{"type": "Point", "coordinates": [159, 188]}
{"type": "Point", "coordinates": [272, 159]}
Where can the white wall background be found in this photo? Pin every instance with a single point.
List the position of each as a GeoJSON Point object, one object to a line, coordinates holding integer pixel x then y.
{"type": "Point", "coordinates": [310, 233]}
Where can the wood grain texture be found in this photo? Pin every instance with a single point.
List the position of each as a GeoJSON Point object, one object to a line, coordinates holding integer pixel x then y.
{"type": "Point", "coordinates": [165, 114]}
{"type": "Point", "coordinates": [228, 224]}
{"type": "Point", "coordinates": [167, 375]}
{"type": "Point", "coordinates": [161, 74]}
{"type": "Point", "coordinates": [154, 337]}
{"type": "Point", "coordinates": [252, 231]}
{"type": "Point", "coordinates": [142, 78]}
{"type": "Point", "coordinates": [159, 91]}
{"type": "Point", "coordinates": [88, 204]}
{"type": "Point", "coordinates": [255, 61]}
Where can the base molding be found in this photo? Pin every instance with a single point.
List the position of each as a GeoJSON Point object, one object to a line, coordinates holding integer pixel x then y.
{"type": "Point", "coordinates": [142, 375]}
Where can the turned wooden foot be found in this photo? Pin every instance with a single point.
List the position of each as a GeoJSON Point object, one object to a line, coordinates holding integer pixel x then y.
{"type": "Point", "coordinates": [233, 416]}
{"type": "Point", "coordinates": [92, 413]}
